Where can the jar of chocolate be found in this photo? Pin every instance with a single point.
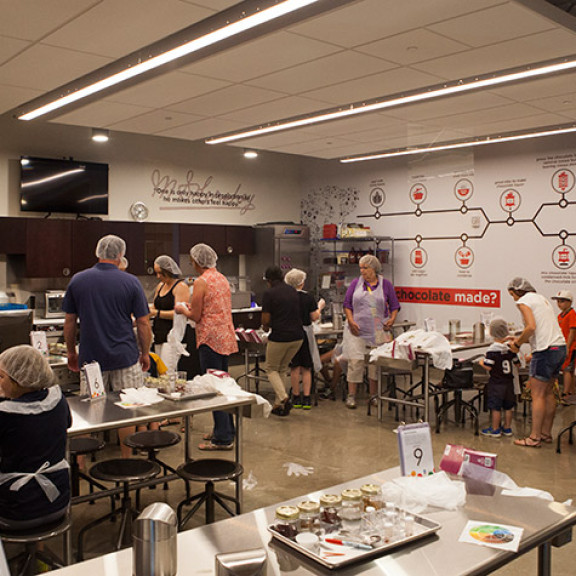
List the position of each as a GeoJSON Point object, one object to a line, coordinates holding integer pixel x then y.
{"type": "Point", "coordinates": [331, 506]}
{"type": "Point", "coordinates": [309, 515]}
{"type": "Point", "coordinates": [286, 522]}
{"type": "Point", "coordinates": [372, 496]}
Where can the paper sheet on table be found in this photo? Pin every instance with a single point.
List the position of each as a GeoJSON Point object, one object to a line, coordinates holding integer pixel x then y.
{"type": "Point", "coordinates": [499, 536]}
{"type": "Point", "coordinates": [135, 397]}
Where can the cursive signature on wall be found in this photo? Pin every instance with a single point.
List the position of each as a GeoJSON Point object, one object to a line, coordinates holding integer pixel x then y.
{"type": "Point", "coordinates": [198, 195]}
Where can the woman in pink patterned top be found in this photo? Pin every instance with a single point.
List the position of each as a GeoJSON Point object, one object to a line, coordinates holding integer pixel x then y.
{"type": "Point", "coordinates": [211, 308]}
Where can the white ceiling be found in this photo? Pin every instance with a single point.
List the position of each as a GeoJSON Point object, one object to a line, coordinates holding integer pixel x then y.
{"type": "Point", "coordinates": [364, 50]}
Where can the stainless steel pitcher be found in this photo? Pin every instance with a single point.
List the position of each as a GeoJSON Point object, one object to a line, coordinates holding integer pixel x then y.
{"type": "Point", "coordinates": [154, 542]}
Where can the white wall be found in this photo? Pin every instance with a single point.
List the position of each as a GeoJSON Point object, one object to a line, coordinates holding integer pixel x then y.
{"type": "Point", "coordinates": [506, 249]}
{"type": "Point", "coordinates": [272, 180]}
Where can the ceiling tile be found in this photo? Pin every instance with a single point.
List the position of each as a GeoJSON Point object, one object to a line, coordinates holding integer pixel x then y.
{"type": "Point", "coordinates": [101, 114]}
{"type": "Point", "coordinates": [562, 103]}
{"type": "Point", "coordinates": [261, 56]}
{"type": "Point", "coordinates": [226, 100]}
{"type": "Point", "coordinates": [12, 96]}
{"type": "Point", "coordinates": [217, 5]}
{"type": "Point", "coordinates": [496, 24]}
{"type": "Point", "coordinates": [370, 20]}
{"type": "Point", "coordinates": [375, 86]}
{"type": "Point", "coordinates": [201, 129]}
{"type": "Point", "coordinates": [518, 52]}
{"type": "Point", "coordinates": [9, 47]}
{"type": "Point", "coordinates": [540, 88]}
{"type": "Point", "coordinates": [167, 89]}
{"type": "Point", "coordinates": [502, 126]}
{"type": "Point", "coordinates": [115, 28]}
{"type": "Point", "coordinates": [45, 67]}
{"type": "Point", "coordinates": [154, 122]}
{"type": "Point", "coordinates": [33, 19]}
{"type": "Point", "coordinates": [350, 126]}
{"type": "Point", "coordinates": [414, 46]}
{"type": "Point", "coordinates": [323, 72]}
{"type": "Point", "coordinates": [270, 111]}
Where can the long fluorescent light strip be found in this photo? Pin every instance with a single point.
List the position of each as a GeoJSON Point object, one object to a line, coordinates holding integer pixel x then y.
{"type": "Point", "coordinates": [362, 109]}
{"type": "Point", "coordinates": [193, 46]}
{"type": "Point", "coordinates": [456, 145]}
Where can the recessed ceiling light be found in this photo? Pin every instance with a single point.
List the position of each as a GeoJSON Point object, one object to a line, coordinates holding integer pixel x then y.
{"type": "Point", "coordinates": [250, 154]}
{"type": "Point", "coordinates": [100, 135]}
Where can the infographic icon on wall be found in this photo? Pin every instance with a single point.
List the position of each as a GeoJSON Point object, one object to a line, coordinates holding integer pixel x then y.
{"type": "Point", "coordinates": [464, 189]}
{"type": "Point", "coordinates": [418, 257]}
{"type": "Point", "coordinates": [563, 257]}
{"type": "Point", "coordinates": [464, 257]}
{"type": "Point", "coordinates": [418, 193]}
{"type": "Point", "coordinates": [510, 200]}
{"type": "Point", "coordinates": [563, 181]}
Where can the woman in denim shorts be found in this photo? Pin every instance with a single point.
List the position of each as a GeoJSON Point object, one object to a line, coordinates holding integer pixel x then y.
{"type": "Point", "coordinates": [542, 332]}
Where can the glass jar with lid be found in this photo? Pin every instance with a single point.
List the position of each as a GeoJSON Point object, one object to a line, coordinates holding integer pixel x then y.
{"type": "Point", "coordinates": [286, 522]}
{"type": "Point", "coordinates": [372, 496]}
{"type": "Point", "coordinates": [331, 505]}
{"type": "Point", "coordinates": [352, 505]}
{"type": "Point", "coordinates": [309, 515]}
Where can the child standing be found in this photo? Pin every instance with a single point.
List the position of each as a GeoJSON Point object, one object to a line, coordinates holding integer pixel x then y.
{"type": "Point", "coordinates": [498, 361]}
{"type": "Point", "coordinates": [567, 321]}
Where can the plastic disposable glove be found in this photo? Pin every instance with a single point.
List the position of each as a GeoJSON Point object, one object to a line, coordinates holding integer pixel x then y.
{"type": "Point", "coordinates": [294, 469]}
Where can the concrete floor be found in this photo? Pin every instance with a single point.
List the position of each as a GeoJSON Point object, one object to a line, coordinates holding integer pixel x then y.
{"type": "Point", "coordinates": [342, 445]}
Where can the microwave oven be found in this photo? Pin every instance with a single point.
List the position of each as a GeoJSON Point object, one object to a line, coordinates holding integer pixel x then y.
{"type": "Point", "coordinates": [54, 304]}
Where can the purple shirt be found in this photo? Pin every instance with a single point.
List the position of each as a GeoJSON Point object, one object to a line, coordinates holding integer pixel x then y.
{"type": "Point", "coordinates": [389, 294]}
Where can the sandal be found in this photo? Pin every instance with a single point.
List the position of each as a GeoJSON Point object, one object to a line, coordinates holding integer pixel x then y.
{"type": "Point", "coordinates": [528, 442]}
{"type": "Point", "coordinates": [546, 438]}
{"type": "Point", "coordinates": [207, 436]}
{"type": "Point", "coordinates": [167, 422]}
{"type": "Point", "coordinates": [209, 446]}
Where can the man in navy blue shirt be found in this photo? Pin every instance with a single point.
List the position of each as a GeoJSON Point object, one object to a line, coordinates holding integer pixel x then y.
{"type": "Point", "coordinates": [105, 299]}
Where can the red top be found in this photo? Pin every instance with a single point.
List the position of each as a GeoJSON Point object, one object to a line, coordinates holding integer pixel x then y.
{"type": "Point", "coordinates": [215, 328]}
{"type": "Point", "coordinates": [568, 321]}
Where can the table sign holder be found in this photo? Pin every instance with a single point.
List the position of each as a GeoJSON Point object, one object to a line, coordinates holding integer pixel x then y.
{"type": "Point", "coordinates": [94, 380]}
{"type": "Point", "coordinates": [415, 449]}
{"type": "Point", "coordinates": [38, 340]}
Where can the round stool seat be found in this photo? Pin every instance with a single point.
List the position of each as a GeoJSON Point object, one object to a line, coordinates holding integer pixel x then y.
{"type": "Point", "coordinates": [210, 470]}
{"type": "Point", "coordinates": [38, 533]}
{"type": "Point", "coordinates": [152, 439]}
{"type": "Point", "coordinates": [78, 446]}
{"type": "Point", "coordinates": [125, 470]}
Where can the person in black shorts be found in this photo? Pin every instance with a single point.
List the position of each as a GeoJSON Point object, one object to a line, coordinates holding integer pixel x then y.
{"type": "Point", "coordinates": [499, 361]}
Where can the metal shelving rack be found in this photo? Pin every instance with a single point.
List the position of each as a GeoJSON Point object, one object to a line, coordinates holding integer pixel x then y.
{"type": "Point", "coordinates": [335, 256]}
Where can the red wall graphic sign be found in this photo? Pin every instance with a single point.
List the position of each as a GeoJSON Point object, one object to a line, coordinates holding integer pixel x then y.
{"type": "Point", "coordinates": [449, 296]}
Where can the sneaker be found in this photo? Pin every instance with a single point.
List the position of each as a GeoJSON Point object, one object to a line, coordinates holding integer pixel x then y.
{"type": "Point", "coordinates": [351, 402]}
{"type": "Point", "coordinates": [297, 401]}
{"type": "Point", "coordinates": [306, 404]}
{"type": "Point", "coordinates": [491, 432]}
{"type": "Point", "coordinates": [507, 432]}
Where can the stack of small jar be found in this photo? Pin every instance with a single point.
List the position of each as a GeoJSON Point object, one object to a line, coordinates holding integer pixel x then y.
{"type": "Point", "coordinates": [354, 511]}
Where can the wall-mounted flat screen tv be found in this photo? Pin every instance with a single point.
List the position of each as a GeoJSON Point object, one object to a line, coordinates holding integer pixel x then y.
{"type": "Point", "coordinates": [50, 185]}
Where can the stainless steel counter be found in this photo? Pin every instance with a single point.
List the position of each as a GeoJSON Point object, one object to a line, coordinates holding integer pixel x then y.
{"type": "Point", "coordinates": [542, 521]}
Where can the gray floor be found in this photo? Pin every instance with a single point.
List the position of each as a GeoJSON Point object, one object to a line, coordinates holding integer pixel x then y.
{"type": "Point", "coordinates": [342, 445]}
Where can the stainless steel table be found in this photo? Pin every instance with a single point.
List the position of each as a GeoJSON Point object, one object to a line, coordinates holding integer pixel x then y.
{"type": "Point", "coordinates": [545, 524]}
{"type": "Point", "coordinates": [422, 360]}
{"type": "Point", "coordinates": [90, 416]}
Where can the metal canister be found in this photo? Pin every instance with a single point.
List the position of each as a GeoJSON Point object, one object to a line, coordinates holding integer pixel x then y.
{"type": "Point", "coordinates": [479, 331]}
{"type": "Point", "coordinates": [453, 329]}
{"type": "Point", "coordinates": [155, 542]}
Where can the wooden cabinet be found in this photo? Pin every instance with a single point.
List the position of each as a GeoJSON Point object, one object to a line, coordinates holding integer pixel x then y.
{"type": "Point", "coordinates": [160, 239]}
{"type": "Point", "coordinates": [12, 235]}
{"type": "Point", "coordinates": [133, 233]}
{"type": "Point", "coordinates": [48, 248]}
{"type": "Point", "coordinates": [212, 234]}
{"type": "Point", "coordinates": [240, 240]}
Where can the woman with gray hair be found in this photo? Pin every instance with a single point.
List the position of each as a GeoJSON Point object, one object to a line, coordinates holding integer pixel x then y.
{"type": "Point", "coordinates": [371, 307]}
{"type": "Point", "coordinates": [307, 358]}
{"type": "Point", "coordinates": [34, 417]}
{"type": "Point", "coordinates": [542, 332]}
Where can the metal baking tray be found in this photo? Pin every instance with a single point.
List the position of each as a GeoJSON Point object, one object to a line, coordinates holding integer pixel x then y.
{"type": "Point", "coordinates": [185, 396]}
{"type": "Point", "coordinates": [423, 527]}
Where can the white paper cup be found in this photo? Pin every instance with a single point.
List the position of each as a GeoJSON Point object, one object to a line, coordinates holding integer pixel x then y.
{"type": "Point", "coordinates": [308, 540]}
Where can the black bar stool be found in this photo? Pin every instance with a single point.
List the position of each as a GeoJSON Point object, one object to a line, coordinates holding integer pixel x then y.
{"type": "Point", "coordinates": [123, 471]}
{"type": "Point", "coordinates": [209, 471]}
{"type": "Point", "coordinates": [32, 537]}
{"type": "Point", "coordinates": [568, 429]}
{"type": "Point", "coordinates": [81, 446]}
{"type": "Point", "coordinates": [152, 441]}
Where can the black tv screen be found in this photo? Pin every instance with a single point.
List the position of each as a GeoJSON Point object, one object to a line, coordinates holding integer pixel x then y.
{"type": "Point", "coordinates": [48, 185]}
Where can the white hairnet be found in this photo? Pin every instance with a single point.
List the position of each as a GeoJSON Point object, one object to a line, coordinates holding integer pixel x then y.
{"type": "Point", "coordinates": [124, 263]}
{"type": "Point", "coordinates": [27, 367]}
{"type": "Point", "coordinates": [204, 255]}
{"type": "Point", "coordinates": [110, 248]}
{"type": "Point", "coordinates": [167, 264]}
{"type": "Point", "coordinates": [295, 277]}
{"type": "Point", "coordinates": [498, 328]}
{"type": "Point", "coordinates": [520, 284]}
{"type": "Point", "coordinates": [371, 261]}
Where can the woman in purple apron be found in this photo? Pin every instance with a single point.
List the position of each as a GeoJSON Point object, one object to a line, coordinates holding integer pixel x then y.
{"type": "Point", "coordinates": [371, 307]}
